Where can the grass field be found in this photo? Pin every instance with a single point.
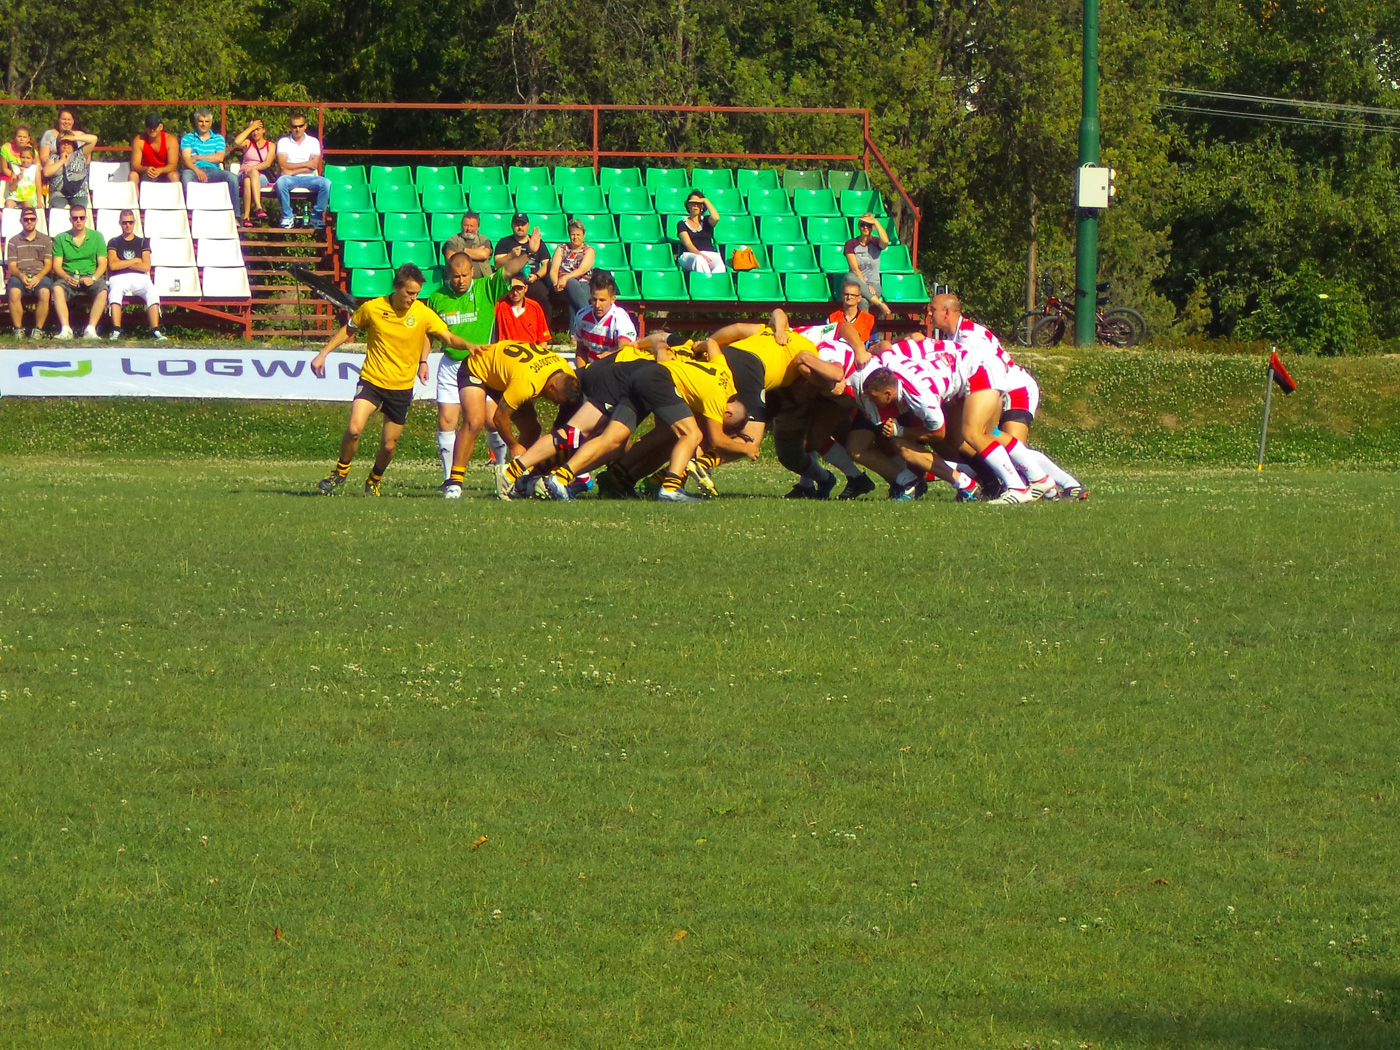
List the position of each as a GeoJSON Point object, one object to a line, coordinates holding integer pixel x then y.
{"type": "Point", "coordinates": [281, 771]}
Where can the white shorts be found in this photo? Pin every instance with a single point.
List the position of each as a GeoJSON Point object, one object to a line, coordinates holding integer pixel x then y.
{"type": "Point", "coordinates": [447, 381]}
{"type": "Point", "coordinates": [1024, 393]}
{"type": "Point", "coordinates": [134, 285]}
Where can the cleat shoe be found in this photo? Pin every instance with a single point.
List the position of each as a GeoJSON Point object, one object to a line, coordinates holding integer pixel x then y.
{"type": "Point", "coordinates": [801, 492]}
{"type": "Point", "coordinates": [556, 489]}
{"type": "Point", "coordinates": [1043, 489]}
{"type": "Point", "coordinates": [857, 487]}
{"type": "Point", "coordinates": [971, 495]}
{"type": "Point", "coordinates": [914, 490]}
{"type": "Point", "coordinates": [331, 482]}
{"type": "Point", "coordinates": [649, 488]}
{"type": "Point", "coordinates": [524, 486]}
{"type": "Point", "coordinates": [450, 490]}
{"type": "Point", "coordinates": [505, 488]}
{"type": "Point", "coordinates": [824, 487]}
{"type": "Point", "coordinates": [676, 496]}
{"type": "Point", "coordinates": [611, 487]}
{"type": "Point", "coordinates": [1014, 496]}
{"type": "Point", "coordinates": [582, 485]}
{"type": "Point", "coordinates": [704, 480]}
{"type": "Point", "coordinates": [1075, 493]}
{"type": "Point", "coordinates": [372, 487]}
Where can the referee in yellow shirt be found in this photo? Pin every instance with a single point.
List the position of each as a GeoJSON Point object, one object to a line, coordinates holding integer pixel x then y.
{"type": "Point", "coordinates": [397, 328]}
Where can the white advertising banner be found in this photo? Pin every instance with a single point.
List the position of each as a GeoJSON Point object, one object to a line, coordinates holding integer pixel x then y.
{"type": "Point", "coordinates": [76, 370]}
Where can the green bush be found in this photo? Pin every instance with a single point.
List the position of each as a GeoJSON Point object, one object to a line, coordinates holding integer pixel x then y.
{"type": "Point", "coordinates": [1311, 314]}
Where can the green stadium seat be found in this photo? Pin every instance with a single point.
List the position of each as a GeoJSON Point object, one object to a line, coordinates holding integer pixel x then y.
{"type": "Point", "coordinates": [651, 256]}
{"type": "Point", "coordinates": [488, 197]}
{"type": "Point", "coordinates": [597, 227]}
{"type": "Point", "coordinates": [356, 254]}
{"type": "Point", "coordinates": [346, 174]}
{"type": "Point", "coordinates": [751, 179]}
{"type": "Point", "coordinates": [420, 253]}
{"type": "Point", "coordinates": [895, 259]}
{"type": "Point", "coordinates": [814, 202]}
{"type": "Point", "coordinates": [518, 177]}
{"type": "Point", "coordinates": [769, 202]}
{"type": "Point", "coordinates": [390, 175]}
{"type": "Point", "coordinates": [669, 224]}
{"type": "Point", "coordinates": [426, 175]}
{"type": "Point", "coordinates": [396, 196]}
{"type": "Point", "coordinates": [832, 258]}
{"type": "Point", "coordinates": [736, 229]}
{"type": "Point", "coordinates": [707, 179]}
{"type": "Point", "coordinates": [473, 176]}
{"type": "Point", "coordinates": [806, 288]}
{"type": "Point", "coordinates": [565, 177]}
{"type": "Point", "coordinates": [712, 287]}
{"type": "Point", "coordinates": [444, 225]}
{"type": "Point", "coordinates": [554, 229]}
{"type": "Point", "coordinates": [837, 181]}
{"type": "Point", "coordinates": [794, 258]}
{"type": "Point", "coordinates": [828, 229]}
{"type": "Point", "coordinates": [759, 286]}
{"type": "Point", "coordinates": [781, 229]}
{"type": "Point", "coordinates": [632, 229]}
{"type": "Point", "coordinates": [660, 285]}
{"type": "Point", "coordinates": [670, 200]}
{"type": "Point", "coordinates": [495, 225]}
{"type": "Point", "coordinates": [533, 199]}
{"type": "Point", "coordinates": [667, 178]}
{"type": "Point", "coordinates": [350, 198]}
{"type": "Point", "coordinates": [582, 199]}
{"type": "Point", "coordinates": [610, 177]}
{"type": "Point", "coordinates": [727, 200]}
{"type": "Point", "coordinates": [444, 198]}
{"type": "Point", "coordinates": [434, 278]}
{"type": "Point", "coordinates": [370, 283]}
{"type": "Point", "coordinates": [358, 226]}
{"type": "Point", "coordinates": [405, 226]}
{"type": "Point", "coordinates": [626, 284]}
{"type": "Point", "coordinates": [803, 179]}
{"type": "Point", "coordinates": [610, 255]}
{"type": "Point", "coordinates": [903, 288]}
{"type": "Point", "coordinates": [760, 253]}
{"type": "Point", "coordinates": [630, 200]}
{"type": "Point", "coordinates": [855, 203]}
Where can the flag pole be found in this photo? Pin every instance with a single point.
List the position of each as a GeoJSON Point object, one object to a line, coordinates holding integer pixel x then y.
{"type": "Point", "coordinates": [1268, 391]}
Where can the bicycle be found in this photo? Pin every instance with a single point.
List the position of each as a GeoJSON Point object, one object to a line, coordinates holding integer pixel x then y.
{"type": "Point", "coordinates": [1121, 326]}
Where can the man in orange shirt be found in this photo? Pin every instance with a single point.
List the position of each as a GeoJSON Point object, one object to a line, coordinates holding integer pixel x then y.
{"type": "Point", "coordinates": [519, 319]}
{"type": "Point", "coordinates": [850, 311]}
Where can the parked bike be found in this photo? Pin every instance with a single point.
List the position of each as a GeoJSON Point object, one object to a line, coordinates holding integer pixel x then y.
{"type": "Point", "coordinates": [1119, 326]}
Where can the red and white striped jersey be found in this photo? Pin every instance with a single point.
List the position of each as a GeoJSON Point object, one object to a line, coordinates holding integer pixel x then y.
{"type": "Point", "coordinates": [923, 387]}
{"type": "Point", "coordinates": [596, 337]}
{"type": "Point", "coordinates": [977, 338]}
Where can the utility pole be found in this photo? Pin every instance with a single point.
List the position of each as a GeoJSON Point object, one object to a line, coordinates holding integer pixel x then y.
{"type": "Point", "coordinates": [1087, 240]}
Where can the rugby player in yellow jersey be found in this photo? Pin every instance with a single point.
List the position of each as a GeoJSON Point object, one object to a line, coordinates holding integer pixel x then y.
{"type": "Point", "coordinates": [677, 390]}
{"type": "Point", "coordinates": [397, 328]}
{"type": "Point", "coordinates": [501, 382]}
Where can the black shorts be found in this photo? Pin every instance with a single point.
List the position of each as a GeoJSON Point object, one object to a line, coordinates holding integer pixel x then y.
{"type": "Point", "coordinates": [393, 403]}
{"type": "Point", "coordinates": [1017, 415]}
{"type": "Point", "coordinates": [748, 380]}
{"type": "Point", "coordinates": [466, 379]}
{"type": "Point", "coordinates": [630, 391]}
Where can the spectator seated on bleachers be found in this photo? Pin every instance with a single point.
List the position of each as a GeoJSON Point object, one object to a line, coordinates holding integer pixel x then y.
{"type": "Point", "coordinates": [849, 309]}
{"type": "Point", "coordinates": [518, 243]}
{"type": "Point", "coordinates": [30, 261]}
{"type": "Point", "coordinates": [569, 270]}
{"type": "Point", "coordinates": [23, 187]}
{"type": "Point", "coordinates": [155, 155]}
{"type": "Point", "coordinates": [299, 161]}
{"type": "Point", "coordinates": [202, 153]}
{"type": "Point", "coordinates": [11, 159]}
{"type": "Point", "coordinates": [258, 155]}
{"type": "Point", "coordinates": [474, 243]}
{"type": "Point", "coordinates": [129, 274]}
{"type": "Point", "coordinates": [64, 123]}
{"type": "Point", "coordinates": [863, 257]}
{"type": "Point", "coordinates": [67, 169]}
{"type": "Point", "coordinates": [79, 271]}
{"type": "Point", "coordinates": [696, 232]}
{"type": "Point", "coordinates": [520, 318]}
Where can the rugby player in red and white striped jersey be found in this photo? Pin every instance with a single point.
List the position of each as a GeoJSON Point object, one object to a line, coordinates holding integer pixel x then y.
{"type": "Point", "coordinates": [601, 328]}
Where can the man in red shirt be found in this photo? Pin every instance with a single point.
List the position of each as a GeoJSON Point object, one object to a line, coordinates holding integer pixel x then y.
{"type": "Point", "coordinates": [849, 310]}
{"type": "Point", "coordinates": [520, 318]}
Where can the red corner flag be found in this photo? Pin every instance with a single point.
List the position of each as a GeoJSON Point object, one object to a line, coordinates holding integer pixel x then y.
{"type": "Point", "coordinates": [1280, 374]}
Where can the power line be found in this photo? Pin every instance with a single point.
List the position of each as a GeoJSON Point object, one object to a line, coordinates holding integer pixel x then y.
{"type": "Point", "coordinates": [1279, 118]}
{"type": "Point", "coordinates": [1269, 100]}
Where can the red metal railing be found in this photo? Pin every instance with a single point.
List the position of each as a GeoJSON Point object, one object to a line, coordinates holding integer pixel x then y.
{"type": "Point", "coordinates": [594, 151]}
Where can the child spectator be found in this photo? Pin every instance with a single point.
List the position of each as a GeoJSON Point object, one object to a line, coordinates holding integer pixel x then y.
{"type": "Point", "coordinates": [696, 232]}
{"type": "Point", "coordinates": [154, 154]}
{"type": "Point", "coordinates": [258, 155]}
{"type": "Point", "coordinates": [23, 187]}
{"type": "Point", "coordinates": [67, 169]}
{"type": "Point", "coordinates": [10, 154]}
{"type": "Point", "coordinates": [569, 269]}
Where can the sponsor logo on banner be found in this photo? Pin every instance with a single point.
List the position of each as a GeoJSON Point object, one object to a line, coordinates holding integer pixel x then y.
{"type": "Point", "coordinates": [147, 372]}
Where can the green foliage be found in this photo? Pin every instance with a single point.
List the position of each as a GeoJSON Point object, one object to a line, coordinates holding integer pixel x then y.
{"type": "Point", "coordinates": [1309, 314]}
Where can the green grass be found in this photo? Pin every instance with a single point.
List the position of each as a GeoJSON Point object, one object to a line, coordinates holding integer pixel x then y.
{"type": "Point", "coordinates": [926, 775]}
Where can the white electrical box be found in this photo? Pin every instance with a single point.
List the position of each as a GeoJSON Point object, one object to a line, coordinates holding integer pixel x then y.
{"type": "Point", "coordinates": [1094, 183]}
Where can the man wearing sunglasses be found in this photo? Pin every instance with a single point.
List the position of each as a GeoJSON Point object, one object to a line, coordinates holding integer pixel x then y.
{"type": "Point", "coordinates": [299, 161]}
{"type": "Point", "coordinates": [30, 256]}
{"type": "Point", "coordinates": [79, 269]}
{"type": "Point", "coordinates": [129, 266]}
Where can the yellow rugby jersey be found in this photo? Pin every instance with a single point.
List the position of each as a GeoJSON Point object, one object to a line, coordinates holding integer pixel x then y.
{"type": "Point", "coordinates": [518, 370]}
{"type": "Point", "coordinates": [633, 352]}
{"type": "Point", "coordinates": [394, 343]}
{"type": "Point", "coordinates": [778, 368]}
{"type": "Point", "coordinates": [706, 386]}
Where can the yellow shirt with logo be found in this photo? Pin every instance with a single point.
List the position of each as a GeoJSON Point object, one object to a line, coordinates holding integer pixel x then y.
{"type": "Point", "coordinates": [778, 367]}
{"type": "Point", "coordinates": [394, 342]}
{"type": "Point", "coordinates": [518, 371]}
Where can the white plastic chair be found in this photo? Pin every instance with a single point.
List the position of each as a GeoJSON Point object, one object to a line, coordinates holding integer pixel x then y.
{"type": "Point", "coordinates": [9, 223]}
{"type": "Point", "coordinates": [213, 225]}
{"type": "Point", "coordinates": [109, 224]}
{"type": "Point", "coordinates": [101, 172]}
{"type": "Point", "coordinates": [58, 221]}
{"type": "Point", "coordinates": [226, 282]}
{"type": "Point", "coordinates": [166, 224]}
{"type": "Point", "coordinates": [208, 196]}
{"type": "Point", "coordinates": [172, 251]}
{"type": "Point", "coordinates": [114, 195]}
{"type": "Point", "coordinates": [219, 252]}
{"type": "Point", "coordinates": [163, 196]}
{"type": "Point", "coordinates": [176, 282]}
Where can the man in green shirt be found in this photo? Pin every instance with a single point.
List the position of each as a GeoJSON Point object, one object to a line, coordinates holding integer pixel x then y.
{"type": "Point", "coordinates": [468, 305]}
{"type": "Point", "coordinates": [79, 269]}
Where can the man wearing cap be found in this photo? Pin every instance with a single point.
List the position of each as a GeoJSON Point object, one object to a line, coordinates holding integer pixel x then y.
{"type": "Point", "coordinates": [519, 318]}
{"type": "Point", "coordinates": [154, 154]}
{"type": "Point", "coordinates": [536, 258]}
{"type": "Point", "coordinates": [30, 255]}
